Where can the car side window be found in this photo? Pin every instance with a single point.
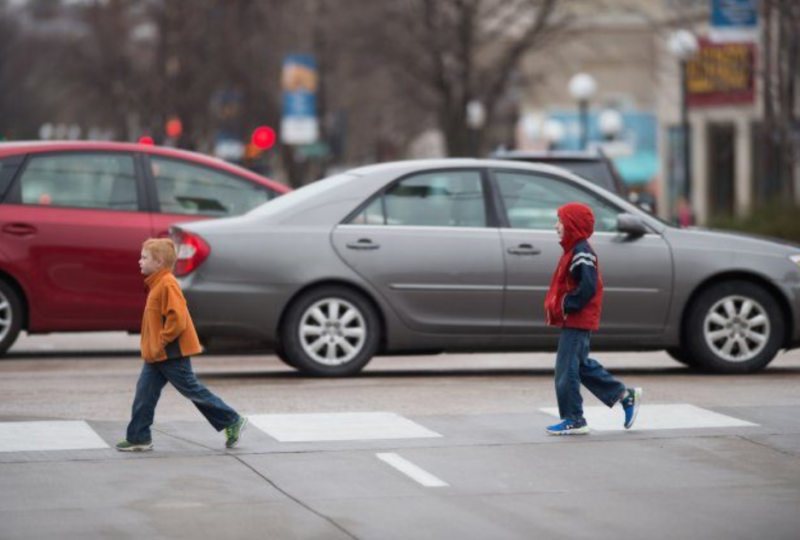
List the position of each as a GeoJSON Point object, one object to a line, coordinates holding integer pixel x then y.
{"type": "Point", "coordinates": [436, 199]}
{"type": "Point", "coordinates": [80, 180]}
{"type": "Point", "coordinates": [531, 201]}
{"type": "Point", "coordinates": [8, 167]}
{"type": "Point", "coordinates": [184, 188]}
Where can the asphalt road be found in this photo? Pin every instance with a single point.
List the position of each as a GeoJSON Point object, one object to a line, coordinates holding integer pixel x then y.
{"type": "Point", "coordinates": [448, 446]}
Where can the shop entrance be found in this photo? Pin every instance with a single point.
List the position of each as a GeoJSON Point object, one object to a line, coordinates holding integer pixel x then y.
{"type": "Point", "coordinates": [721, 169]}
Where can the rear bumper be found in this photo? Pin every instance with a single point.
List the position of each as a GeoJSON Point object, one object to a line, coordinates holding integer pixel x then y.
{"type": "Point", "coordinates": [235, 309]}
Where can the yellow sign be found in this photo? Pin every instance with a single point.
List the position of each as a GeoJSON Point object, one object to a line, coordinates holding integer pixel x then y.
{"type": "Point", "coordinates": [721, 73]}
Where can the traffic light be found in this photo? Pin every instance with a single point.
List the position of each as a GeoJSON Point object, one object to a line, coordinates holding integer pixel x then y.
{"type": "Point", "coordinates": [146, 139]}
{"type": "Point", "coordinates": [263, 137]}
{"type": "Point", "coordinates": [251, 151]}
{"type": "Point", "coordinates": [174, 127]}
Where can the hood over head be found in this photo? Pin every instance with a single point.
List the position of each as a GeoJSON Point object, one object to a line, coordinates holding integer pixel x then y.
{"type": "Point", "coordinates": [578, 222]}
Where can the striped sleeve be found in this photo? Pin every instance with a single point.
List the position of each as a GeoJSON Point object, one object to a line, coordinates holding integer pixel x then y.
{"type": "Point", "coordinates": [583, 269]}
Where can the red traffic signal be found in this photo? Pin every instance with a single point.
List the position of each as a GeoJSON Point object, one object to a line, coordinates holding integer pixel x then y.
{"type": "Point", "coordinates": [263, 137]}
{"type": "Point", "coordinates": [147, 140]}
{"type": "Point", "coordinates": [174, 128]}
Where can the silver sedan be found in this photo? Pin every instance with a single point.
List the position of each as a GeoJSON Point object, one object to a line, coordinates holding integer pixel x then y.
{"type": "Point", "coordinates": [457, 254]}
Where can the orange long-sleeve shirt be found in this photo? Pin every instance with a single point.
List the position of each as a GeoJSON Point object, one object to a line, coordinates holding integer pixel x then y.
{"type": "Point", "coordinates": [167, 327]}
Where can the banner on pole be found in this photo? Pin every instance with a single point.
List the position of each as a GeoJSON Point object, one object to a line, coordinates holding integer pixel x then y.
{"type": "Point", "coordinates": [299, 81]}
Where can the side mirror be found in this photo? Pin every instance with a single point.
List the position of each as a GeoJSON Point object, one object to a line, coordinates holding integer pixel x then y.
{"type": "Point", "coordinates": [631, 225]}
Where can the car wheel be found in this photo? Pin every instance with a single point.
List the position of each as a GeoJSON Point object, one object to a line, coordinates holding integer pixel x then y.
{"type": "Point", "coordinates": [682, 356]}
{"type": "Point", "coordinates": [10, 316]}
{"type": "Point", "coordinates": [734, 327]}
{"type": "Point", "coordinates": [330, 331]}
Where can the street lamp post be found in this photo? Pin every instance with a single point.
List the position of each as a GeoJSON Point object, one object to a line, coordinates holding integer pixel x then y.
{"type": "Point", "coordinates": [582, 87]}
{"type": "Point", "coordinates": [610, 122]}
{"type": "Point", "coordinates": [553, 132]}
{"type": "Point", "coordinates": [476, 118]}
{"type": "Point", "coordinates": [683, 45]}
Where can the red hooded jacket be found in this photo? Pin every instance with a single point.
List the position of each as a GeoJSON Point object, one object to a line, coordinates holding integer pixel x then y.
{"type": "Point", "coordinates": [576, 291]}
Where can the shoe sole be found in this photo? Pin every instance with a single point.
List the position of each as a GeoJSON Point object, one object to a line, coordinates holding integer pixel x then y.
{"type": "Point", "coordinates": [241, 430]}
{"type": "Point", "coordinates": [638, 393]}
{"type": "Point", "coordinates": [578, 431]}
{"type": "Point", "coordinates": [137, 448]}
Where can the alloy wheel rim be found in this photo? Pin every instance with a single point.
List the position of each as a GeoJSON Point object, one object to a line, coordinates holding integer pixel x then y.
{"type": "Point", "coordinates": [332, 331]}
{"type": "Point", "coordinates": [6, 316]}
{"type": "Point", "coordinates": [737, 328]}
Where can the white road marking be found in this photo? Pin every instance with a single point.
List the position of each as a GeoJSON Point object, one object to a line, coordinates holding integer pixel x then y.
{"type": "Point", "coordinates": [48, 435]}
{"type": "Point", "coordinates": [417, 474]}
{"type": "Point", "coordinates": [653, 417]}
{"type": "Point", "coordinates": [339, 427]}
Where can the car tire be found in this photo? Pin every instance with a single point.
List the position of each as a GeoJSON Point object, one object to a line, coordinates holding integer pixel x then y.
{"type": "Point", "coordinates": [10, 316]}
{"type": "Point", "coordinates": [330, 331]}
{"type": "Point", "coordinates": [682, 356]}
{"type": "Point", "coordinates": [734, 327]}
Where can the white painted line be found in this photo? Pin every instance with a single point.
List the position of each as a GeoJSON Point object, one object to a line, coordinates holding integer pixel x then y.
{"type": "Point", "coordinates": [654, 417]}
{"type": "Point", "coordinates": [417, 474]}
{"type": "Point", "coordinates": [339, 427]}
{"type": "Point", "coordinates": [50, 435]}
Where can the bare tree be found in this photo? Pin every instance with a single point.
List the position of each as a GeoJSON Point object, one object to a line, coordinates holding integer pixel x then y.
{"type": "Point", "coordinates": [780, 77]}
{"type": "Point", "coordinates": [11, 117]}
{"type": "Point", "coordinates": [32, 86]}
{"type": "Point", "coordinates": [388, 70]}
{"type": "Point", "coordinates": [448, 53]}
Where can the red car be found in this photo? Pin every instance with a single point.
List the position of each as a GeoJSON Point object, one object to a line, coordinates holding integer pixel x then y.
{"type": "Point", "coordinates": [73, 216]}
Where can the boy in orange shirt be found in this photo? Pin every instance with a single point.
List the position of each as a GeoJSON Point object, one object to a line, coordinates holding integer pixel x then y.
{"type": "Point", "coordinates": [168, 341]}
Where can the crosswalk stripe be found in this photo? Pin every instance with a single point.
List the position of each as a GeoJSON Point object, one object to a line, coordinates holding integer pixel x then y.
{"type": "Point", "coordinates": [656, 417]}
{"type": "Point", "coordinates": [48, 435]}
{"type": "Point", "coordinates": [414, 472]}
{"type": "Point", "coordinates": [358, 426]}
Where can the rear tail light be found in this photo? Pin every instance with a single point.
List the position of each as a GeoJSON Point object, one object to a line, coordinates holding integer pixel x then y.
{"type": "Point", "coordinates": [192, 251]}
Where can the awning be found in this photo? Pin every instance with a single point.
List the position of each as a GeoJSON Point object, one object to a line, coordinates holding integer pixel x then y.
{"type": "Point", "coordinates": [639, 168]}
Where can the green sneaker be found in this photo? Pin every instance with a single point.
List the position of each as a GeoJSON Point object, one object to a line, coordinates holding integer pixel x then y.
{"type": "Point", "coordinates": [234, 432]}
{"type": "Point", "coordinates": [125, 446]}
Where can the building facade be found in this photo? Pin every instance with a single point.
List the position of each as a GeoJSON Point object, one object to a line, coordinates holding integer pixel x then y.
{"type": "Point", "coordinates": [624, 47]}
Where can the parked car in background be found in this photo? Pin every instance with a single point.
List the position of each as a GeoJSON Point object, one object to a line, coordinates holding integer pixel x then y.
{"type": "Point", "coordinates": [594, 166]}
{"type": "Point", "coordinates": [457, 255]}
{"type": "Point", "coordinates": [73, 216]}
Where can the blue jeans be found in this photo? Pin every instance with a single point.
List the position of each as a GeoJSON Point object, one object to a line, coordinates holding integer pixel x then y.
{"type": "Point", "coordinates": [573, 368]}
{"type": "Point", "coordinates": [177, 371]}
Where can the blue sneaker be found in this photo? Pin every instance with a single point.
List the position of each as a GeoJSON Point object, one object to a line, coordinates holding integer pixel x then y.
{"type": "Point", "coordinates": [569, 427]}
{"type": "Point", "coordinates": [630, 404]}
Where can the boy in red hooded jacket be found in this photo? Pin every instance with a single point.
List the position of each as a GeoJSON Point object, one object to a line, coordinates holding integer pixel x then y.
{"type": "Point", "coordinates": [573, 303]}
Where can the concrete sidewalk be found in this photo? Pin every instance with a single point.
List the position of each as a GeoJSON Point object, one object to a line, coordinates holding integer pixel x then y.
{"type": "Point", "coordinates": [499, 477]}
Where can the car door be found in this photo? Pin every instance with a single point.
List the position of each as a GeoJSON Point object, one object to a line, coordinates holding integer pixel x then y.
{"type": "Point", "coordinates": [424, 244]}
{"type": "Point", "coordinates": [188, 192]}
{"type": "Point", "coordinates": [637, 272]}
{"type": "Point", "coordinates": [73, 227]}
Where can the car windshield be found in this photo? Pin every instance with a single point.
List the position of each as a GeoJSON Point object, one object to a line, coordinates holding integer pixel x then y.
{"type": "Point", "coordinates": [306, 192]}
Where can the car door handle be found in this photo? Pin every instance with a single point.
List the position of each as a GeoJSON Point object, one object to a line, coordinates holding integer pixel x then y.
{"type": "Point", "coordinates": [364, 244]}
{"type": "Point", "coordinates": [19, 229]}
{"type": "Point", "coordinates": [524, 249]}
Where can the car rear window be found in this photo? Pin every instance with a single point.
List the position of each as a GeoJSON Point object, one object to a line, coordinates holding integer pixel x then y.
{"type": "Point", "coordinates": [301, 195]}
